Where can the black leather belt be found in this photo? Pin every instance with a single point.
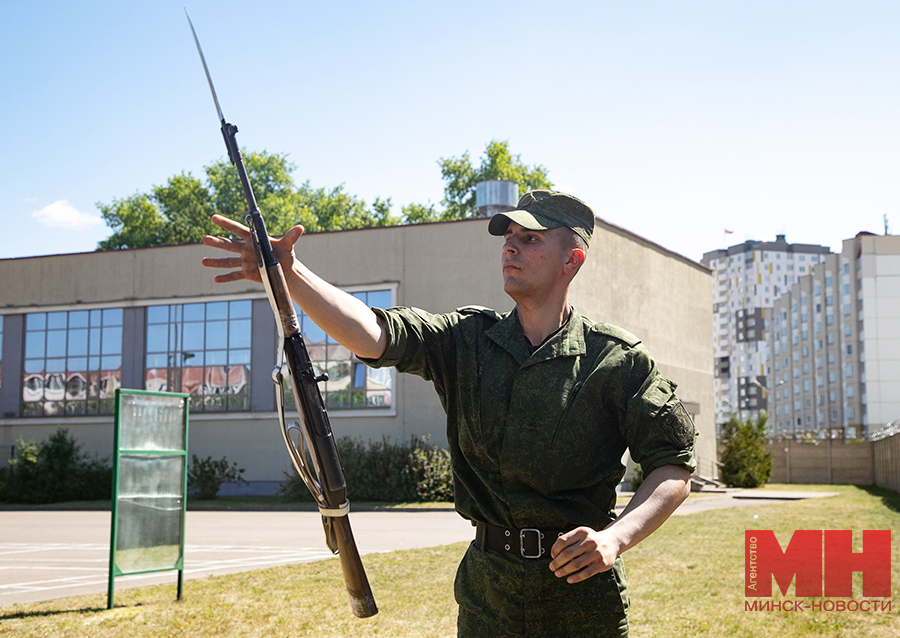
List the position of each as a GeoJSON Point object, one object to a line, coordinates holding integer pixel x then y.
{"type": "Point", "coordinates": [527, 542]}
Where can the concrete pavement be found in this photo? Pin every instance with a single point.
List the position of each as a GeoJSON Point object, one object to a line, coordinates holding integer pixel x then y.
{"type": "Point", "coordinates": [54, 554]}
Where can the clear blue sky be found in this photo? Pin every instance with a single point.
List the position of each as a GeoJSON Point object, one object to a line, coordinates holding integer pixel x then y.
{"type": "Point", "coordinates": [676, 120]}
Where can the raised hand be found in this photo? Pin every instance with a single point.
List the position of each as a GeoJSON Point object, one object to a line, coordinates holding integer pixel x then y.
{"type": "Point", "coordinates": [245, 262]}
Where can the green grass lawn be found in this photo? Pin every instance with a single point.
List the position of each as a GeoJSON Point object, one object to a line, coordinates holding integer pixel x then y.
{"type": "Point", "coordinates": [686, 580]}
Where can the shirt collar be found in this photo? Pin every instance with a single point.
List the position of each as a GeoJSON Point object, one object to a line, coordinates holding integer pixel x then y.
{"type": "Point", "coordinates": [567, 341]}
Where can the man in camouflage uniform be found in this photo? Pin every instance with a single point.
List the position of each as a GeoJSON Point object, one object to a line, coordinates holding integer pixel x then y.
{"type": "Point", "coordinates": [541, 404]}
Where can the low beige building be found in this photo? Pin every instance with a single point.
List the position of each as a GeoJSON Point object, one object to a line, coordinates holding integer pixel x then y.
{"type": "Point", "coordinates": [75, 327]}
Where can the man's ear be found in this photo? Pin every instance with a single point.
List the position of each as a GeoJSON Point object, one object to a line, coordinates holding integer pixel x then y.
{"type": "Point", "coordinates": [575, 261]}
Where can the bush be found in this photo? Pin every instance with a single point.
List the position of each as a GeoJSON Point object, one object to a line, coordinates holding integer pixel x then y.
{"type": "Point", "coordinates": [745, 462]}
{"type": "Point", "coordinates": [206, 476]}
{"type": "Point", "coordinates": [385, 471]}
{"type": "Point", "coordinates": [637, 478]}
{"type": "Point", "coordinates": [55, 471]}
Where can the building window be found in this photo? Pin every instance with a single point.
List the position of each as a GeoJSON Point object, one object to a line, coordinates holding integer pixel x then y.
{"type": "Point", "coordinates": [73, 362]}
{"type": "Point", "coordinates": [201, 349]}
{"type": "Point", "coordinates": [351, 384]}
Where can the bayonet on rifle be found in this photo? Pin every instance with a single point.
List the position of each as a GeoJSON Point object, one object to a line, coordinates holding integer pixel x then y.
{"type": "Point", "coordinates": [310, 442]}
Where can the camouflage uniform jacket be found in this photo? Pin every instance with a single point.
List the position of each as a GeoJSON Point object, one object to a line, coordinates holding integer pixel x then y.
{"type": "Point", "coordinates": [536, 438]}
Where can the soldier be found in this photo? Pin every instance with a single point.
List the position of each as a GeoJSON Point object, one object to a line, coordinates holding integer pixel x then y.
{"type": "Point", "coordinates": [541, 404]}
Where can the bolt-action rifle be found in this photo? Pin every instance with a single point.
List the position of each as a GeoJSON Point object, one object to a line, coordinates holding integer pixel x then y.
{"type": "Point", "coordinates": [310, 442]}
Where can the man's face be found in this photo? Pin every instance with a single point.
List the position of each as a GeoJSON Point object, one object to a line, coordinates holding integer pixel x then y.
{"type": "Point", "coordinates": [533, 261]}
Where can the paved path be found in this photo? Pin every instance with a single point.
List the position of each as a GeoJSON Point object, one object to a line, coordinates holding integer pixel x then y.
{"type": "Point", "coordinates": [54, 554]}
{"type": "Point", "coordinates": [743, 498]}
{"type": "Point", "coordinates": [46, 555]}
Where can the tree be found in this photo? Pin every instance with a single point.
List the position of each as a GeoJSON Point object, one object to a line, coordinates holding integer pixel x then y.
{"type": "Point", "coordinates": [460, 178]}
{"type": "Point", "coordinates": [745, 462]}
{"type": "Point", "coordinates": [179, 211]}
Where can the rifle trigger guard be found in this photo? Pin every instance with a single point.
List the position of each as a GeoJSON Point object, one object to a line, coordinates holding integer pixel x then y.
{"type": "Point", "coordinates": [341, 510]}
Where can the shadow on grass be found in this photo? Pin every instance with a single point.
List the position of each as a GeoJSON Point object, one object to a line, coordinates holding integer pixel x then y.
{"type": "Point", "coordinates": [47, 613]}
{"type": "Point", "coordinates": [889, 498]}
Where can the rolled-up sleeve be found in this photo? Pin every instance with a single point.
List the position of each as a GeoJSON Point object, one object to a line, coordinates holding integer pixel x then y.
{"type": "Point", "coordinates": [418, 342]}
{"type": "Point", "coordinates": [657, 427]}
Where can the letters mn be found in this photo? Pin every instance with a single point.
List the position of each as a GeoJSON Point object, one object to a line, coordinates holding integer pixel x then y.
{"type": "Point", "coordinates": [822, 562]}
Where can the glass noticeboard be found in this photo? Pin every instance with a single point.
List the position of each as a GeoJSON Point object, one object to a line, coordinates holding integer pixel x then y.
{"type": "Point", "coordinates": [149, 485]}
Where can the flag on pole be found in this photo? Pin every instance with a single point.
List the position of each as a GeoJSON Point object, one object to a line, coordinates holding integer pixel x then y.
{"type": "Point", "coordinates": [729, 232]}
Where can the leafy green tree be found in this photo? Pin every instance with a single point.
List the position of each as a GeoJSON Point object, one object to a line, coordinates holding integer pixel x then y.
{"type": "Point", "coordinates": [745, 462]}
{"type": "Point", "coordinates": [178, 211]}
{"type": "Point", "coordinates": [460, 178]}
{"type": "Point", "coordinates": [420, 213]}
{"type": "Point", "coordinates": [135, 221]}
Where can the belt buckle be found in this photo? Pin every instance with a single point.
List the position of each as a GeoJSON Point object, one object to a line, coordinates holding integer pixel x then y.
{"type": "Point", "coordinates": [540, 536]}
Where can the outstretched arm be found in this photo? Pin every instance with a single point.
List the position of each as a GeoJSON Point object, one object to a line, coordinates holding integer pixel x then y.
{"type": "Point", "coordinates": [347, 319]}
{"type": "Point", "coordinates": [584, 552]}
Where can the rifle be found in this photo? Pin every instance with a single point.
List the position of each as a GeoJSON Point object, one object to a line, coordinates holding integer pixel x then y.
{"type": "Point", "coordinates": [310, 443]}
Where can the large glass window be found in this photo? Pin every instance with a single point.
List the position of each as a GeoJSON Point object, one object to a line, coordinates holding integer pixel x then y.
{"type": "Point", "coordinates": [73, 362]}
{"type": "Point", "coordinates": [351, 384]}
{"type": "Point", "coordinates": [201, 349]}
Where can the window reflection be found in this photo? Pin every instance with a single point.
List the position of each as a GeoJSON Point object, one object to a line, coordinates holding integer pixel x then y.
{"type": "Point", "coordinates": [351, 384]}
{"type": "Point", "coordinates": [64, 373]}
{"type": "Point", "coordinates": [201, 349]}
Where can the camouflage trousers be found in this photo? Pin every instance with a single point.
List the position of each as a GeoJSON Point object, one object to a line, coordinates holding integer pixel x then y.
{"type": "Point", "coordinates": [504, 595]}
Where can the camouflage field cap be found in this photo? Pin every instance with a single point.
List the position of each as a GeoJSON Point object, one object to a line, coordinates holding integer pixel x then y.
{"type": "Point", "coordinates": [545, 209]}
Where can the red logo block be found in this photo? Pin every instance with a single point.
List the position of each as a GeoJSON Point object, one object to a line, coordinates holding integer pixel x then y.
{"type": "Point", "coordinates": [819, 562]}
